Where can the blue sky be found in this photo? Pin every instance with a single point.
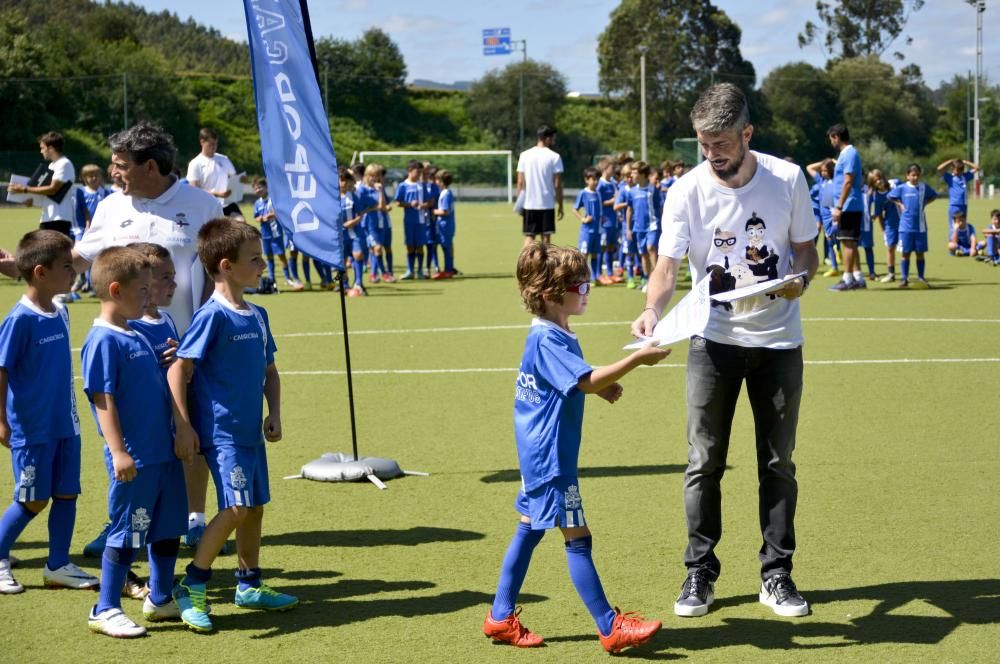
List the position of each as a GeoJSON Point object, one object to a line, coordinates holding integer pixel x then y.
{"type": "Point", "coordinates": [441, 39]}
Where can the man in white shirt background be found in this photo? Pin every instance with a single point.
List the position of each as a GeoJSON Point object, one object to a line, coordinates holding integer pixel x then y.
{"type": "Point", "coordinates": [539, 177]}
{"type": "Point", "coordinates": [210, 171]}
{"type": "Point", "coordinates": [57, 210]}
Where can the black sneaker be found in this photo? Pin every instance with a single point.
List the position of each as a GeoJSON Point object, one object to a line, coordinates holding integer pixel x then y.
{"type": "Point", "coordinates": [696, 593]}
{"type": "Point", "coordinates": [779, 593]}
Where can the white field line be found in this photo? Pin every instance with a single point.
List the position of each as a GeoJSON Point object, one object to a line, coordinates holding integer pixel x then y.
{"type": "Point", "coordinates": [624, 323]}
{"type": "Point", "coordinates": [467, 370]}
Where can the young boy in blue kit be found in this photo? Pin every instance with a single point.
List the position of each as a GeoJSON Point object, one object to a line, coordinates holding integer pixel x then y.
{"type": "Point", "coordinates": [910, 198]}
{"type": "Point", "coordinates": [38, 418]}
{"type": "Point", "coordinates": [609, 223]}
{"type": "Point", "coordinates": [147, 502]}
{"type": "Point", "coordinates": [353, 235]}
{"type": "Point", "coordinates": [963, 241]}
{"type": "Point", "coordinates": [548, 418]}
{"type": "Point", "coordinates": [444, 215]}
{"type": "Point", "coordinates": [410, 196]}
{"type": "Point", "coordinates": [227, 355]}
{"type": "Point", "coordinates": [642, 218]}
{"type": "Point", "coordinates": [587, 209]}
{"type": "Point", "coordinates": [271, 236]}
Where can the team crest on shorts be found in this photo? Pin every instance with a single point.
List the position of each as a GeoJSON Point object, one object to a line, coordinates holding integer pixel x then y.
{"type": "Point", "coordinates": [573, 501]}
{"type": "Point", "coordinates": [27, 476]}
{"type": "Point", "coordinates": [140, 520]}
{"type": "Point", "coordinates": [237, 478]}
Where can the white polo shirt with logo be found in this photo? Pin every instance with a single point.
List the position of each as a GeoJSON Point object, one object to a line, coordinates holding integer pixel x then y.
{"type": "Point", "coordinates": [211, 173]}
{"type": "Point", "coordinates": [172, 221]}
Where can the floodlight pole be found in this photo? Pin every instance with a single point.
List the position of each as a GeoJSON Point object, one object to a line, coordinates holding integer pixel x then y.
{"type": "Point", "coordinates": [524, 62]}
{"type": "Point", "coordinates": [980, 8]}
{"type": "Point", "coordinates": [642, 97]}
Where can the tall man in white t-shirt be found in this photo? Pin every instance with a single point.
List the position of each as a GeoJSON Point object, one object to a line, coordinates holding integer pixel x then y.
{"type": "Point", "coordinates": [742, 217]}
{"type": "Point", "coordinates": [153, 206]}
{"type": "Point", "coordinates": [57, 210]}
{"type": "Point", "coordinates": [210, 171]}
{"type": "Point", "coordinates": [539, 176]}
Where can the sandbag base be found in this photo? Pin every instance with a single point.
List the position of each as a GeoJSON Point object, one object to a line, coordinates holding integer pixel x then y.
{"type": "Point", "coordinates": [340, 467]}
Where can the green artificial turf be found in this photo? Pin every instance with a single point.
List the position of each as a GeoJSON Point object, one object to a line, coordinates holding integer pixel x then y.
{"type": "Point", "coordinates": [897, 463]}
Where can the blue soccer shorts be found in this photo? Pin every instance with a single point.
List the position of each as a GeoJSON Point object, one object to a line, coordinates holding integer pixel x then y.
{"type": "Point", "coordinates": [590, 240]}
{"type": "Point", "coordinates": [240, 475]}
{"type": "Point", "coordinates": [609, 237]}
{"type": "Point", "coordinates": [273, 246]}
{"type": "Point", "coordinates": [46, 470]}
{"type": "Point", "coordinates": [150, 508]}
{"type": "Point", "coordinates": [555, 504]}
{"type": "Point", "coordinates": [909, 242]}
{"type": "Point", "coordinates": [415, 233]}
{"type": "Point", "coordinates": [891, 235]}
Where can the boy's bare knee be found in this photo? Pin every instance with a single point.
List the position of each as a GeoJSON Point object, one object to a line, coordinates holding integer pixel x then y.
{"type": "Point", "coordinates": [238, 513]}
{"type": "Point", "coordinates": [35, 506]}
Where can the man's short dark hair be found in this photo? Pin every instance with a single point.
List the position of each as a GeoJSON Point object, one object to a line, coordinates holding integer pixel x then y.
{"type": "Point", "coordinates": [41, 247]}
{"type": "Point", "coordinates": [546, 132]}
{"type": "Point", "coordinates": [840, 131]}
{"type": "Point", "coordinates": [207, 134]}
{"type": "Point", "coordinates": [53, 139]}
{"type": "Point", "coordinates": [146, 141]}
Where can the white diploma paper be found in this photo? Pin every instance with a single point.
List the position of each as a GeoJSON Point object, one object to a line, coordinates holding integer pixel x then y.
{"type": "Point", "coordinates": [688, 318]}
{"type": "Point", "coordinates": [760, 288]}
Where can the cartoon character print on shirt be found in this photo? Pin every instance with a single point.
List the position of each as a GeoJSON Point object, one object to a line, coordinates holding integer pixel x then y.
{"type": "Point", "coordinates": [722, 260]}
{"type": "Point", "coordinates": [762, 260]}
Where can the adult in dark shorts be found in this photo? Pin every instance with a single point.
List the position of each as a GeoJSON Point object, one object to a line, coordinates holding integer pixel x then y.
{"type": "Point", "coordinates": [539, 180]}
{"type": "Point", "coordinates": [848, 208]}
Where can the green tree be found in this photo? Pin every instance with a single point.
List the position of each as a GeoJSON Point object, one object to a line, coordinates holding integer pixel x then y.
{"type": "Point", "coordinates": [853, 28]}
{"type": "Point", "coordinates": [803, 106]}
{"type": "Point", "coordinates": [875, 101]}
{"type": "Point", "coordinates": [361, 75]}
{"type": "Point", "coordinates": [689, 44]}
{"type": "Point", "coordinates": [23, 113]}
{"type": "Point", "coordinates": [493, 101]}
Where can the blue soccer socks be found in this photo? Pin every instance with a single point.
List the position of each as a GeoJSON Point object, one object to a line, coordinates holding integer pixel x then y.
{"type": "Point", "coordinates": [13, 522]}
{"type": "Point", "coordinates": [162, 560]}
{"type": "Point", "coordinates": [62, 518]}
{"type": "Point", "coordinates": [248, 578]}
{"type": "Point", "coordinates": [514, 569]}
{"type": "Point", "coordinates": [588, 583]}
{"type": "Point", "coordinates": [114, 568]}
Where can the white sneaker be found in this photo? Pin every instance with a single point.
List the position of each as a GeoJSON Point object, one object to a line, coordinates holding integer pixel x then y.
{"type": "Point", "coordinates": [8, 584]}
{"type": "Point", "coordinates": [69, 576]}
{"type": "Point", "coordinates": [114, 623]}
{"type": "Point", "coordinates": [888, 279]}
{"type": "Point", "coordinates": [154, 613]}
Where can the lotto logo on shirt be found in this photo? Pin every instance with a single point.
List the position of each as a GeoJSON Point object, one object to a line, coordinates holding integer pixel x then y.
{"type": "Point", "coordinates": [526, 388]}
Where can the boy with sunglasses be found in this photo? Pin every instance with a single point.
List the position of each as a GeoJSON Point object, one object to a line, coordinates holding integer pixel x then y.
{"type": "Point", "coordinates": [548, 420]}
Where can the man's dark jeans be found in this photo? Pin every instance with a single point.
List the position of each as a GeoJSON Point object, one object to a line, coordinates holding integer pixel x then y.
{"type": "Point", "coordinates": [715, 375]}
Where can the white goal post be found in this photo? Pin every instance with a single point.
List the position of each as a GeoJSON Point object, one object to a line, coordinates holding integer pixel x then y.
{"type": "Point", "coordinates": [450, 153]}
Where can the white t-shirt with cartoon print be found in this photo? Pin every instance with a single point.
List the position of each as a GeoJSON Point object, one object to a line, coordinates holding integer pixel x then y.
{"type": "Point", "coordinates": [739, 237]}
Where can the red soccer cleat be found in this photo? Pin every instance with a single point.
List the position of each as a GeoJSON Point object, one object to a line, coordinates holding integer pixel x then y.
{"type": "Point", "coordinates": [512, 631]}
{"type": "Point", "coordinates": [628, 630]}
{"type": "Point", "coordinates": [388, 277]}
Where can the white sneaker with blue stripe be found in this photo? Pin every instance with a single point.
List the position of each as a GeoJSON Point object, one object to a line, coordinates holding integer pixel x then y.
{"type": "Point", "coordinates": [69, 576]}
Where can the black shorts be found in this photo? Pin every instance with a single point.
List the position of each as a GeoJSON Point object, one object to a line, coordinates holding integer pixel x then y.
{"type": "Point", "coordinates": [849, 226]}
{"type": "Point", "coordinates": [232, 209]}
{"type": "Point", "coordinates": [539, 222]}
{"type": "Point", "coordinates": [63, 227]}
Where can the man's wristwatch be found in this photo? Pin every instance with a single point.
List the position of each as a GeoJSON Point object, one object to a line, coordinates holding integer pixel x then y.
{"type": "Point", "coordinates": [805, 282]}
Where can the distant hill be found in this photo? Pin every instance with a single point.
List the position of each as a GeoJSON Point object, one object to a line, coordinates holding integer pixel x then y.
{"type": "Point", "coordinates": [424, 84]}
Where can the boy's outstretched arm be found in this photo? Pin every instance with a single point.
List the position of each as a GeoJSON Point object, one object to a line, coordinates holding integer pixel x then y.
{"type": "Point", "coordinates": [107, 417]}
{"type": "Point", "coordinates": [272, 394]}
{"type": "Point", "coordinates": [186, 443]}
{"type": "Point", "coordinates": [604, 377]}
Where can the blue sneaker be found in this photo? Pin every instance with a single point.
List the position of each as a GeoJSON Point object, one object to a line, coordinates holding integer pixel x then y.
{"type": "Point", "coordinates": [193, 606]}
{"type": "Point", "coordinates": [264, 598]}
{"type": "Point", "coordinates": [193, 536]}
{"type": "Point", "coordinates": [95, 548]}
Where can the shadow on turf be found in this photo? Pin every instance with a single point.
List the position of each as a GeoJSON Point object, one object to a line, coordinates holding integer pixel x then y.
{"type": "Point", "coordinates": [373, 537]}
{"type": "Point", "coordinates": [968, 602]}
{"type": "Point", "coordinates": [595, 471]}
{"type": "Point", "coordinates": [322, 606]}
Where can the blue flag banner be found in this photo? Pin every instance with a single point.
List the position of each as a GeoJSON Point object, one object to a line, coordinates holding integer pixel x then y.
{"type": "Point", "coordinates": [299, 161]}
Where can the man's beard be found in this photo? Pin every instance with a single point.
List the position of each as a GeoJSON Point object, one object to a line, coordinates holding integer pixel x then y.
{"type": "Point", "coordinates": [734, 166]}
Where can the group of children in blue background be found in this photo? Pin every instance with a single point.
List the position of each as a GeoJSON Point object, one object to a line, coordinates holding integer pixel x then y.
{"type": "Point", "coordinates": [136, 373]}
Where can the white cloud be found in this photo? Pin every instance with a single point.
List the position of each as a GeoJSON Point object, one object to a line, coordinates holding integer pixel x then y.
{"type": "Point", "coordinates": [354, 5]}
{"type": "Point", "coordinates": [773, 17]}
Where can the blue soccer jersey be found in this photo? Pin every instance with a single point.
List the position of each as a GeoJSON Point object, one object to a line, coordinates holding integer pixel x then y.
{"type": "Point", "coordinates": [849, 162]}
{"type": "Point", "coordinates": [406, 194]}
{"type": "Point", "coordinates": [814, 193]}
{"type": "Point", "coordinates": [158, 332]}
{"type": "Point", "coordinates": [607, 192]}
{"type": "Point", "coordinates": [121, 363]}
{"type": "Point", "coordinates": [86, 203]}
{"type": "Point", "coordinates": [963, 236]}
{"type": "Point", "coordinates": [590, 203]}
{"type": "Point", "coordinates": [644, 202]}
{"type": "Point", "coordinates": [354, 236]}
{"type": "Point", "coordinates": [957, 187]}
{"type": "Point", "coordinates": [548, 407]}
{"type": "Point", "coordinates": [231, 349]}
{"type": "Point", "coordinates": [35, 352]}
{"type": "Point", "coordinates": [446, 203]}
{"type": "Point", "coordinates": [912, 218]}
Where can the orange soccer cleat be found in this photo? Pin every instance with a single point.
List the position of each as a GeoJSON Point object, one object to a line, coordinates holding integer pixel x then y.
{"type": "Point", "coordinates": [512, 631]}
{"type": "Point", "coordinates": [627, 630]}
